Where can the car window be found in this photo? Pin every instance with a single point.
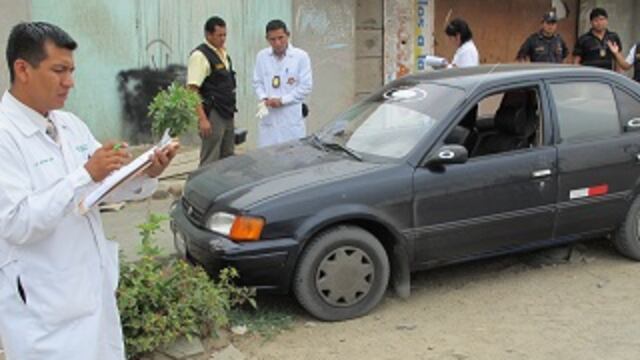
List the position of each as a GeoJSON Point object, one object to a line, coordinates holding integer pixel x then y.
{"type": "Point", "coordinates": [629, 109]}
{"type": "Point", "coordinates": [586, 110]}
{"type": "Point", "coordinates": [488, 106]}
{"type": "Point", "coordinates": [391, 123]}
{"type": "Point", "coordinates": [499, 122]}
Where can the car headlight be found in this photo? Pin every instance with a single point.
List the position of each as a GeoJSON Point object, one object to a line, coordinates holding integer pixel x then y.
{"type": "Point", "coordinates": [236, 227]}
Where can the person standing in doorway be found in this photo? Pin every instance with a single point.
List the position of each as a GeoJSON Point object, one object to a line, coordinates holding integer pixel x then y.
{"type": "Point", "coordinates": [591, 48]}
{"type": "Point", "coordinates": [546, 45]}
{"type": "Point", "coordinates": [281, 80]}
{"type": "Point", "coordinates": [58, 271]}
{"type": "Point", "coordinates": [210, 73]}
{"type": "Point", "coordinates": [460, 34]}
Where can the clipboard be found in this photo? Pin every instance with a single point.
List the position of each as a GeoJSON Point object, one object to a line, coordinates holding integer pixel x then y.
{"type": "Point", "coordinates": [122, 175]}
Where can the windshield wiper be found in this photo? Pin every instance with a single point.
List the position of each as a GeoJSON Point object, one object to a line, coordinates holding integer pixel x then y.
{"type": "Point", "coordinates": [315, 139]}
{"type": "Point", "coordinates": [316, 142]}
{"type": "Point", "coordinates": [344, 149]}
{"type": "Point", "coordinates": [324, 145]}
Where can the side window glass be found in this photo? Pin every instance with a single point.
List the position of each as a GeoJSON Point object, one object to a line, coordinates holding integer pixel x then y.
{"type": "Point", "coordinates": [500, 122]}
{"type": "Point", "coordinates": [586, 110]}
{"type": "Point", "coordinates": [629, 109]}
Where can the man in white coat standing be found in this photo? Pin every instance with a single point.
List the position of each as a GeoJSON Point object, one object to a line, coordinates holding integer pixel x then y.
{"type": "Point", "coordinates": [281, 80]}
{"type": "Point", "coordinates": [58, 272]}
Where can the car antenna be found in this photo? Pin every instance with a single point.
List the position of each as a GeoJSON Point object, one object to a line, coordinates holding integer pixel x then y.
{"type": "Point", "coordinates": [493, 68]}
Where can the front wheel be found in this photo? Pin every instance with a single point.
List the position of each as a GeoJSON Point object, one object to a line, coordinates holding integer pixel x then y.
{"type": "Point", "coordinates": [627, 239]}
{"type": "Point", "coordinates": [342, 274]}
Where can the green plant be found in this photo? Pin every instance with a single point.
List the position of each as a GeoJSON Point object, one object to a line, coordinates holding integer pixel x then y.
{"type": "Point", "coordinates": [174, 108]}
{"type": "Point", "coordinates": [161, 299]}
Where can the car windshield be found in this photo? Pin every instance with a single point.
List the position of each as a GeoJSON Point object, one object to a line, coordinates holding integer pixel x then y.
{"type": "Point", "coordinates": [391, 123]}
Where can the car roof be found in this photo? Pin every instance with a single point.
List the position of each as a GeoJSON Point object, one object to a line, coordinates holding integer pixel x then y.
{"type": "Point", "coordinates": [468, 78]}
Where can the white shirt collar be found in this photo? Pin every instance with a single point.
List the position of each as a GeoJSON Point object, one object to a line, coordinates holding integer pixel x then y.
{"type": "Point", "coordinates": [287, 51]}
{"type": "Point", "coordinates": [30, 121]}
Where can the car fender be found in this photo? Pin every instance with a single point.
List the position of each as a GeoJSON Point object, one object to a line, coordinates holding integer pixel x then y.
{"type": "Point", "coordinates": [398, 246]}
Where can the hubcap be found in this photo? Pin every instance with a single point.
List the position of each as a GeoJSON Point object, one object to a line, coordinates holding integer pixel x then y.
{"type": "Point", "coordinates": [345, 276]}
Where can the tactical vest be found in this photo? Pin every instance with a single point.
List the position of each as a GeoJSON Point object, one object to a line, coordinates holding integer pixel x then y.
{"type": "Point", "coordinates": [218, 90]}
{"type": "Point", "coordinates": [636, 64]}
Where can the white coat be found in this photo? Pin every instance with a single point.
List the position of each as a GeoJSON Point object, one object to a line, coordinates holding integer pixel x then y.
{"type": "Point", "coordinates": [65, 265]}
{"type": "Point", "coordinates": [466, 55]}
{"type": "Point", "coordinates": [294, 84]}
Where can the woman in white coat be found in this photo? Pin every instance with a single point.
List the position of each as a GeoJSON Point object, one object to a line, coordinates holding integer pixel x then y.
{"type": "Point", "coordinates": [460, 34]}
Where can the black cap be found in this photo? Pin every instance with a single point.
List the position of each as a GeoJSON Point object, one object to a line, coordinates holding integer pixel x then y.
{"type": "Point", "coordinates": [549, 17]}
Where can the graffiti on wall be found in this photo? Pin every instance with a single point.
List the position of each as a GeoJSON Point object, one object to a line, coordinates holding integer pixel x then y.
{"type": "Point", "coordinates": [137, 88]}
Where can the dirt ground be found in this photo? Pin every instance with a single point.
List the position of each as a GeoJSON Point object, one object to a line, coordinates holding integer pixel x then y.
{"type": "Point", "coordinates": [505, 308]}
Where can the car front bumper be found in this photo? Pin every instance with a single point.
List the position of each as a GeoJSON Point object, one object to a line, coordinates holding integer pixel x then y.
{"type": "Point", "coordinates": [264, 264]}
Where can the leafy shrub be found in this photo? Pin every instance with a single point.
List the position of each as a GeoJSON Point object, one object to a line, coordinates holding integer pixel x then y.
{"type": "Point", "coordinates": [174, 108]}
{"type": "Point", "coordinates": [162, 299]}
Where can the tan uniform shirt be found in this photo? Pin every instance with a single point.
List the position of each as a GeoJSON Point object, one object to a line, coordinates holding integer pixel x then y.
{"type": "Point", "coordinates": [198, 67]}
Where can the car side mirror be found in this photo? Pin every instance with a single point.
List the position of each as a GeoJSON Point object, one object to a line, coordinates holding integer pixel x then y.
{"type": "Point", "coordinates": [449, 154]}
{"type": "Point", "coordinates": [632, 125]}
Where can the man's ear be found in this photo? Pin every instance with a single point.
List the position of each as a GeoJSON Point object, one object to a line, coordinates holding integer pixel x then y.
{"type": "Point", "coordinates": [21, 69]}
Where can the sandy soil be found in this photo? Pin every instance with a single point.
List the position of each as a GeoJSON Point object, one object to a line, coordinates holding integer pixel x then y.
{"type": "Point", "coordinates": [506, 308]}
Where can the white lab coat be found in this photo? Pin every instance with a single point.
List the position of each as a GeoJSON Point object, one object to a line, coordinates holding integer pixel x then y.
{"type": "Point", "coordinates": [466, 55]}
{"type": "Point", "coordinates": [66, 266]}
{"type": "Point", "coordinates": [294, 71]}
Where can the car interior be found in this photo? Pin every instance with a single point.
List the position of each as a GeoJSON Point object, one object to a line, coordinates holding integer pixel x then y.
{"type": "Point", "coordinates": [500, 122]}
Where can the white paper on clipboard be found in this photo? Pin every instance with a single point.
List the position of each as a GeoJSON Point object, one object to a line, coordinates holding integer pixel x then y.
{"type": "Point", "coordinates": [122, 175]}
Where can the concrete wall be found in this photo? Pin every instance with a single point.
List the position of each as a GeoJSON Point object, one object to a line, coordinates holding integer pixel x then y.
{"type": "Point", "coordinates": [127, 48]}
{"type": "Point", "coordinates": [326, 30]}
{"type": "Point", "coordinates": [12, 13]}
{"type": "Point", "coordinates": [408, 36]}
{"type": "Point", "coordinates": [369, 46]}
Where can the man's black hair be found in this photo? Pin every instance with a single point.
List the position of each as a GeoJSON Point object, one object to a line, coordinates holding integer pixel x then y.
{"type": "Point", "coordinates": [210, 25]}
{"type": "Point", "coordinates": [27, 41]}
{"type": "Point", "coordinates": [598, 12]}
{"type": "Point", "coordinates": [459, 26]}
{"type": "Point", "coordinates": [276, 25]}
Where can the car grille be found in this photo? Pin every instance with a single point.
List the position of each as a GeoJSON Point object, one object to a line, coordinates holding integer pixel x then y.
{"type": "Point", "coordinates": [193, 213]}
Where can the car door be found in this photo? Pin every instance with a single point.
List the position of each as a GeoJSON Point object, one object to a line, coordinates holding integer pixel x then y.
{"type": "Point", "coordinates": [598, 161]}
{"type": "Point", "coordinates": [491, 203]}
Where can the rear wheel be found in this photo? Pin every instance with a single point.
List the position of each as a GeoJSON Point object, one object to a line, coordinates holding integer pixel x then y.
{"type": "Point", "coordinates": [342, 274]}
{"type": "Point", "coordinates": [627, 239]}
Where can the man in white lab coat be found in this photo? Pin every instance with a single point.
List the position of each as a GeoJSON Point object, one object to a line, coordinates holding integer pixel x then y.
{"type": "Point", "coordinates": [281, 79]}
{"type": "Point", "coordinates": [58, 272]}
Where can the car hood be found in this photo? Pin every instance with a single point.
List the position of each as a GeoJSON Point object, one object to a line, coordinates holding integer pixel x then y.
{"type": "Point", "coordinates": [243, 181]}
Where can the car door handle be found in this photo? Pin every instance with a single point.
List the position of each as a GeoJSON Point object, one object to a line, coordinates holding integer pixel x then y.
{"type": "Point", "coordinates": [541, 173]}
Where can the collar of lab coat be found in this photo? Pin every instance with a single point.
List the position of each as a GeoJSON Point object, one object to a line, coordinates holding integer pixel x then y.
{"type": "Point", "coordinates": [287, 53]}
{"type": "Point", "coordinates": [23, 117]}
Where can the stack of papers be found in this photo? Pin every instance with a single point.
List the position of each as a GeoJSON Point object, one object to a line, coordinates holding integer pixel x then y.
{"type": "Point", "coordinates": [122, 175]}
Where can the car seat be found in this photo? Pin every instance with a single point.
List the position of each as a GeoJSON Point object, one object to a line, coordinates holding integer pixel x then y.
{"type": "Point", "coordinates": [515, 123]}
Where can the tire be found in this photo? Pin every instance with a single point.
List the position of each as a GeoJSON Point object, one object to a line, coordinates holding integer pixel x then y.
{"type": "Point", "coordinates": [627, 239]}
{"type": "Point", "coordinates": [342, 274]}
